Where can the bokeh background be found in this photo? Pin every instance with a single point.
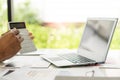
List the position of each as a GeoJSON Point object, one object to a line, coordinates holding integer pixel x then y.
{"type": "Point", "coordinates": [59, 23]}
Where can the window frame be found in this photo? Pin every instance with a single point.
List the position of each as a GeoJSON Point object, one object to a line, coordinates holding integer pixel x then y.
{"type": "Point", "coordinates": [10, 10]}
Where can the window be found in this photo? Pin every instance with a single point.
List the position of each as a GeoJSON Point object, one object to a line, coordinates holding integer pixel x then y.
{"type": "Point", "coordinates": [59, 23]}
{"type": "Point", "coordinates": [72, 10]}
{"type": "Point", "coordinates": [3, 16]}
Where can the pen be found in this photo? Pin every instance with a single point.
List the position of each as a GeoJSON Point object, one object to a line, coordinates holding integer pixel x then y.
{"type": "Point", "coordinates": [8, 72]}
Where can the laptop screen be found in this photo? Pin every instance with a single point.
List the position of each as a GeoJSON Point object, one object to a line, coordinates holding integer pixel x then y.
{"type": "Point", "coordinates": [97, 37]}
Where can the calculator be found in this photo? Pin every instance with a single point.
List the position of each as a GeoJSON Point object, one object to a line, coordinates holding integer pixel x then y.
{"type": "Point", "coordinates": [27, 45]}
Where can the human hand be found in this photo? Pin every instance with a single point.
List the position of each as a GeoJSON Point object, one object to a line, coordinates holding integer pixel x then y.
{"type": "Point", "coordinates": [10, 44]}
{"type": "Point", "coordinates": [17, 34]}
{"type": "Point", "coordinates": [31, 36]}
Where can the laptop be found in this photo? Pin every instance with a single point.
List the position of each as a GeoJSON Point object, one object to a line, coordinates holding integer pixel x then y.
{"type": "Point", "coordinates": [94, 44]}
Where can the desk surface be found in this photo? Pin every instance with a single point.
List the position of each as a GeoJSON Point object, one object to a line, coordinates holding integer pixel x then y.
{"type": "Point", "coordinates": [113, 58]}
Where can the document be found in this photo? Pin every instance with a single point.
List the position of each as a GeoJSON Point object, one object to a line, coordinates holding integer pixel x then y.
{"type": "Point", "coordinates": [30, 74]}
{"type": "Point", "coordinates": [27, 61]}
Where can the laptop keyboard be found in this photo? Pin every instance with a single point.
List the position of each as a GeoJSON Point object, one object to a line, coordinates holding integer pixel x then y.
{"type": "Point", "coordinates": [74, 58]}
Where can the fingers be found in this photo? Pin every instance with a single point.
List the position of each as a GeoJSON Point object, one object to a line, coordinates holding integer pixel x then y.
{"type": "Point", "coordinates": [31, 36]}
{"type": "Point", "coordinates": [15, 31]}
{"type": "Point", "coordinates": [20, 38]}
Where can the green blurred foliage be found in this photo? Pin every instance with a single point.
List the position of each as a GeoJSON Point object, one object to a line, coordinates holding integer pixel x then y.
{"type": "Point", "coordinates": [3, 16]}
{"type": "Point", "coordinates": [24, 12]}
{"type": "Point", "coordinates": [46, 37]}
{"type": "Point", "coordinates": [115, 44]}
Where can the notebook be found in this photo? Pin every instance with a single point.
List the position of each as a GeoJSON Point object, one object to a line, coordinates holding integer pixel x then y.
{"type": "Point", "coordinates": [94, 44]}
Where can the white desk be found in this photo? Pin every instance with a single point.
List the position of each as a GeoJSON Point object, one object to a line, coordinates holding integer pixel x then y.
{"type": "Point", "coordinates": [113, 58]}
